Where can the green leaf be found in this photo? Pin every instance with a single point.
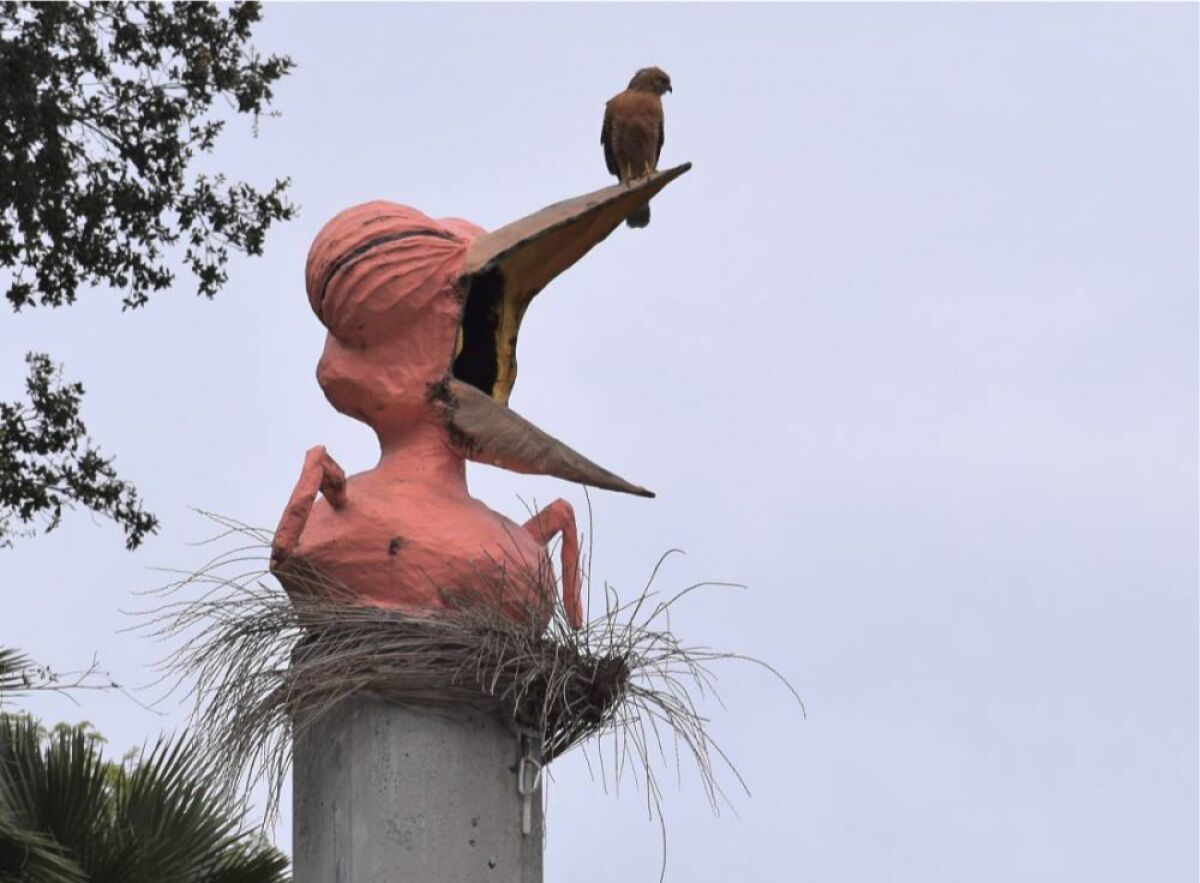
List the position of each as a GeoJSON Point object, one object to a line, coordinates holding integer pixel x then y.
{"type": "Point", "coordinates": [155, 817]}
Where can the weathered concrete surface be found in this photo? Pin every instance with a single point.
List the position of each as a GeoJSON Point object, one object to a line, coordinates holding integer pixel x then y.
{"type": "Point", "coordinates": [383, 794]}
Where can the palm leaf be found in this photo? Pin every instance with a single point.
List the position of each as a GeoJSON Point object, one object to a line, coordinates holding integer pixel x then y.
{"type": "Point", "coordinates": [154, 818]}
{"type": "Point", "coordinates": [14, 670]}
{"type": "Point", "coordinates": [27, 851]}
{"type": "Point", "coordinates": [30, 856]}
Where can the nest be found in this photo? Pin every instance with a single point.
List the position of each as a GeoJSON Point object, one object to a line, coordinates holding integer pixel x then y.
{"type": "Point", "coordinates": [256, 658]}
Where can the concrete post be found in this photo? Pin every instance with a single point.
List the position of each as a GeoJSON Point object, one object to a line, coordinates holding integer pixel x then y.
{"type": "Point", "coordinates": [384, 794]}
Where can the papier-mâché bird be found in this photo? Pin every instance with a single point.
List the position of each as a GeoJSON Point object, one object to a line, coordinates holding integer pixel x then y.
{"type": "Point", "coordinates": [633, 132]}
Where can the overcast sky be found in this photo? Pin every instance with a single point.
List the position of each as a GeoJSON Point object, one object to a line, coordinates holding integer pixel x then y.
{"type": "Point", "coordinates": [911, 352]}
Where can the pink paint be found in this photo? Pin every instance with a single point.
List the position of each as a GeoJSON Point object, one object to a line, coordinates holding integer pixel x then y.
{"type": "Point", "coordinates": [389, 284]}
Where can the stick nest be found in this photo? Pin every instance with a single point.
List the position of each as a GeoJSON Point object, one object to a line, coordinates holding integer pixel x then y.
{"type": "Point", "coordinates": [254, 657]}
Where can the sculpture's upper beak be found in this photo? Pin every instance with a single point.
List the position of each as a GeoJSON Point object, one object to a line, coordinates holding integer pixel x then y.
{"type": "Point", "coordinates": [502, 274]}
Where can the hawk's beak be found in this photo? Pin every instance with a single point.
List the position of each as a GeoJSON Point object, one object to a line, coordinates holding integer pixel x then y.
{"type": "Point", "coordinates": [502, 274]}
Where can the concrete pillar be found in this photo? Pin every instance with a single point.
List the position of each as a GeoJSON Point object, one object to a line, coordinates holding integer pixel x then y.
{"type": "Point", "coordinates": [383, 794]}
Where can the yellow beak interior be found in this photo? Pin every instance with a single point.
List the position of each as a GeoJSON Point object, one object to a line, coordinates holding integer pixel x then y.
{"type": "Point", "coordinates": [506, 270]}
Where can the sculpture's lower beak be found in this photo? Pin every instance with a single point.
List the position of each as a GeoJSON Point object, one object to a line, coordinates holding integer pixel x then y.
{"type": "Point", "coordinates": [488, 432]}
{"type": "Point", "coordinates": [503, 272]}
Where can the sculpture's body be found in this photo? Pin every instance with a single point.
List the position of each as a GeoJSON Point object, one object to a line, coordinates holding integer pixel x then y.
{"type": "Point", "coordinates": [423, 318]}
{"type": "Point", "coordinates": [409, 535]}
{"type": "Point", "coordinates": [385, 281]}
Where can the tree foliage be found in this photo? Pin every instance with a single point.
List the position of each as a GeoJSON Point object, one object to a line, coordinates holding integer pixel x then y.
{"type": "Point", "coordinates": [68, 814]}
{"type": "Point", "coordinates": [47, 461]}
{"type": "Point", "coordinates": [104, 109]}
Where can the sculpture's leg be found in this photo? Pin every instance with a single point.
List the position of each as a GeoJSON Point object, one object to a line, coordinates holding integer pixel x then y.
{"type": "Point", "coordinates": [319, 473]}
{"type": "Point", "coordinates": [559, 516]}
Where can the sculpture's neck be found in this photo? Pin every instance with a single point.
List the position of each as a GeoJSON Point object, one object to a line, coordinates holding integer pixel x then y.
{"type": "Point", "coordinates": [421, 451]}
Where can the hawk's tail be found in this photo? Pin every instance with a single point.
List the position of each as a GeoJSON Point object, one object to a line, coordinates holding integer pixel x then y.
{"type": "Point", "coordinates": [640, 217]}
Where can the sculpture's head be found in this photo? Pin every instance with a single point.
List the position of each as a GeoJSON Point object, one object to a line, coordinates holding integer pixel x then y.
{"type": "Point", "coordinates": [423, 318]}
{"type": "Point", "coordinates": [384, 279]}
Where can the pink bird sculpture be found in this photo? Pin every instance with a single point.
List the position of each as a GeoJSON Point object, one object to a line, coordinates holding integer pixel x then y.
{"type": "Point", "coordinates": [423, 317]}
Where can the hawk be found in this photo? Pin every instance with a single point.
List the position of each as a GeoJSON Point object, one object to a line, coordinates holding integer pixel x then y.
{"type": "Point", "coordinates": [632, 133]}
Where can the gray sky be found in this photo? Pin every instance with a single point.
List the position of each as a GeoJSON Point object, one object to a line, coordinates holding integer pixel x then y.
{"type": "Point", "coordinates": [912, 352]}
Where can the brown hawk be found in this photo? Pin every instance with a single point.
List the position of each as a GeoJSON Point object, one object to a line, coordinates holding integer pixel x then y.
{"type": "Point", "coordinates": [632, 134]}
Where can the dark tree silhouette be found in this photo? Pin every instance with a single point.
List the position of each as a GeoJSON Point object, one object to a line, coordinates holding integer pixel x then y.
{"type": "Point", "coordinates": [47, 461]}
{"type": "Point", "coordinates": [68, 815]}
{"type": "Point", "coordinates": [103, 108]}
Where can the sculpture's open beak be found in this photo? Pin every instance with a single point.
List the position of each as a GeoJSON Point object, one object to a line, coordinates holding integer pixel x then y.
{"type": "Point", "coordinates": [503, 272]}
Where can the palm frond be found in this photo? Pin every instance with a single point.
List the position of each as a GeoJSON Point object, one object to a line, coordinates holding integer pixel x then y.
{"type": "Point", "coordinates": [29, 855]}
{"type": "Point", "coordinates": [27, 850]}
{"type": "Point", "coordinates": [15, 670]}
{"type": "Point", "coordinates": [155, 817]}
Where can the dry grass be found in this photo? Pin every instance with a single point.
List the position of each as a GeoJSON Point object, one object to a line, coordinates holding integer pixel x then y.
{"type": "Point", "coordinates": [253, 657]}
